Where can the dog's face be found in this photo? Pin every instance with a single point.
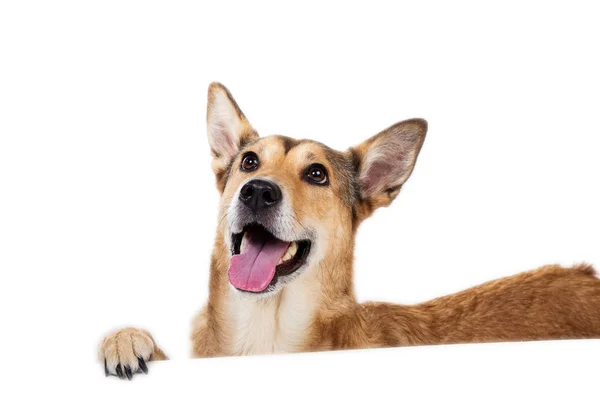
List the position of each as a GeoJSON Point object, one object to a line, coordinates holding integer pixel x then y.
{"type": "Point", "coordinates": [286, 204]}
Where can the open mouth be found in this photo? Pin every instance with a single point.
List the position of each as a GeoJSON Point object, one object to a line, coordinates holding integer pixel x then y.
{"type": "Point", "coordinates": [259, 259]}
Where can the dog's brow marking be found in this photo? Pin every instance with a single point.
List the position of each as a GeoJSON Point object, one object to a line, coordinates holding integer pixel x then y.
{"type": "Point", "coordinates": [246, 140]}
{"type": "Point", "coordinates": [288, 144]}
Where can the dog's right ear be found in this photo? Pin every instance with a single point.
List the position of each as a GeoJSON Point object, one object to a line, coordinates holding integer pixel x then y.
{"type": "Point", "coordinates": [228, 130]}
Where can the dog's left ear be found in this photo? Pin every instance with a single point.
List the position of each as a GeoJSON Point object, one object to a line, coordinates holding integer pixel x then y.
{"type": "Point", "coordinates": [228, 130]}
{"type": "Point", "coordinates": [385, 161]}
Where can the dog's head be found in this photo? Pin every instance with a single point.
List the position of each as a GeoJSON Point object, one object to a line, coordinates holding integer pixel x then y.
{"type": "Point", "coordinates": [287, 205]}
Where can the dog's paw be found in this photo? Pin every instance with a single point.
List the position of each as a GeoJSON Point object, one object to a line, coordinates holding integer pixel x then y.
{"type": "Point", "coordinates": [126, 351]}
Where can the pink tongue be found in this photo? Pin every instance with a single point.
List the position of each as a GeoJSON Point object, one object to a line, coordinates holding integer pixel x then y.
{"type": "Point", "coordinates": [253, 269]}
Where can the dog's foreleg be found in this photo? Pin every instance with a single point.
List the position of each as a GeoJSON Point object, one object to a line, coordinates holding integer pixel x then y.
{"type": "Point", "coordinates": [548, 303]}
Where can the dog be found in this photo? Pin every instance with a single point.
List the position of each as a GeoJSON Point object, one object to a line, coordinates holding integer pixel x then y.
{"type": "Point", "coordinates": [282, 263]}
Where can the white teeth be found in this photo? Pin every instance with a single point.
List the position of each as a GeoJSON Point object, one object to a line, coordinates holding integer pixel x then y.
{"type": "Point", "coordinates": [292, 249]}
{"type": "Point", "coordinates": [290, 253]}
{"type": "Point", "coordinates": [243, 244]}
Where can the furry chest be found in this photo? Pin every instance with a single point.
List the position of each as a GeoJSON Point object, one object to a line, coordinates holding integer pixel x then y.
{"type": "Point", "coordinates": [268, 326]}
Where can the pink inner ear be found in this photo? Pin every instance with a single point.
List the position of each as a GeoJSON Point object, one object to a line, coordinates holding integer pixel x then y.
{"type": "Point", "coordinates": [225, 141]}
{"type": "Point", "coordinates": [381, 174]}
{"type": "Point", "coordinates": [390, 157]}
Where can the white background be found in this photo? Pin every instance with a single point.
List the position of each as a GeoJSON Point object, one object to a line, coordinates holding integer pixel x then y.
{"type": "Point", "coordinates": [108, 205]}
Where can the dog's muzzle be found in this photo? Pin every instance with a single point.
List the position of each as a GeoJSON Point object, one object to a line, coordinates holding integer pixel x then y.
{"type": "Point", "coordinates": [265, 247]}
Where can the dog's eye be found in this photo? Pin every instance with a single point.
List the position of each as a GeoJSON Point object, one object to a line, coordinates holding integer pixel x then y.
{"type": "Point", "coordinates": [316, 173]}
{"type": "Point", "coordinates": [249, 162]}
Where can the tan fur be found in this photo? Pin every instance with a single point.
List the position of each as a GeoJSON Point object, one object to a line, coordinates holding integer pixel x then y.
{"type": "Point", "coordinates": [317, 310]}
{"type": "Point", "coordinates": [123, 347]}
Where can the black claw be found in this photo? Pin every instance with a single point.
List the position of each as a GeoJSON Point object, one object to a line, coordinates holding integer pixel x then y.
{"type": "Point", "coordinates": [128, 372]}
{"type": "Point", "coordinates": [105, 368]}
{"type": "Point", "coordinates": [120, 372]}
{"type": "Point", "coordinates": [143, 365]}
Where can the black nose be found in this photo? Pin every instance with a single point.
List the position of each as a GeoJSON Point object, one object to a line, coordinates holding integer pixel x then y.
{"type": "Point", "coordinates": [259, 194]}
